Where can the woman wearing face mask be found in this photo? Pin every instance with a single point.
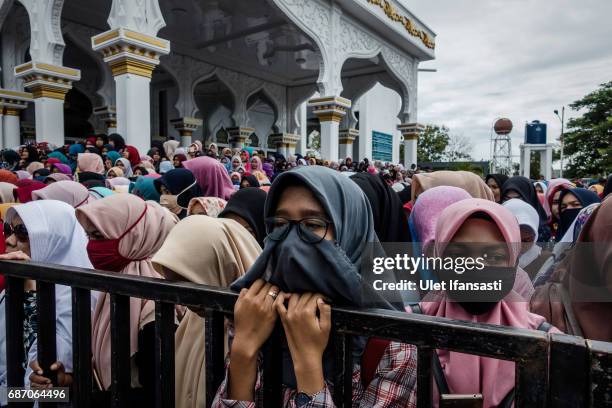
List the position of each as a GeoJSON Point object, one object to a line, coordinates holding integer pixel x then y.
{"type": "Point", "coordinates": [246, 207]}
{"type": "Point", "coordinates": [48, 232]}
{"type": "Point", "coordinates": [551, 203]}
{"type": "Point", "coordinates": [521, 188]}
{"type": "Point", "coordinates": [176, 188]}
{"type": "Point", "coordinates": [225, 251]}
{"type": "Point", "coordinates": [124, 233]}
{"type": "Point", "coordinates": [319, 225]}
{"type": "Point", "coordinates": [571, 201]}
{"type": "Point", "coordinates": [532, 256]}
{"type": "Point", "coordinates": [470, 228]}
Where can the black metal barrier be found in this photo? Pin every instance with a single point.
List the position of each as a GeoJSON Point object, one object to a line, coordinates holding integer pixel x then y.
{"type": "Point", "coordinates": [553, 370]}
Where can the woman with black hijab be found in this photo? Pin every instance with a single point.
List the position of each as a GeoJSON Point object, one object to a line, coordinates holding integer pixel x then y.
{"type": "Point", "coordinates": [390, 223]}
{"type": "Point", "coordinates": [10, 157]}
{"type": "Point", "coordinates": [117, 141]}
{"type": "Point", "coordinates": [176, 188]}
{"type": "Point", "coordinates": [571, 201]}
{"type": "Point", "coordinates": [522, 188]}
{"type": "Point", "coordinates": [320, 225]}
{"type": "Point", "coordinates": [495, 183]}
{"type": "Point", "coordinates": [246, 206]}
{"type": "Point", "coordinates": [249, 180]}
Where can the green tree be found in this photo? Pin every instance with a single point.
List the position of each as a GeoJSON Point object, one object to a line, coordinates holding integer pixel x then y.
{"type": "Point", "coordinates": [588, 139]}
{"type": "Point", "coordinates": [432, 143]}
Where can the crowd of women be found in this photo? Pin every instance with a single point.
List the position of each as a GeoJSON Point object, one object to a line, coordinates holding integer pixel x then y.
{"type": "Point", "coordinates": [290, 235]}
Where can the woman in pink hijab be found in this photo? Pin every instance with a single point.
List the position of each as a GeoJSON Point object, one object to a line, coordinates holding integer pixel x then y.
{"type": "Point", "coordinates": [70, 192]}
{"type": "Point", "coordinates": [211, 177]}
{"type": "Point", "coordinates": [124, 233]}
{"type": "Point", "coordinates": [468, 223]}
{"type": "Point", "coordinates": [466, 180]}
{"type": "Point", "coordinates": [90, 162]}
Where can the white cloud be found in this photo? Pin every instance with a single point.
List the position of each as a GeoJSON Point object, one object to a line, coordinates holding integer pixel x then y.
{"type": "Point", "coordinates": [516, 58]}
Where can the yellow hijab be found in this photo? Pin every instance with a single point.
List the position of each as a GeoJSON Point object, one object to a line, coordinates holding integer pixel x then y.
{"type": "Point", "coordinates": [208, 251]}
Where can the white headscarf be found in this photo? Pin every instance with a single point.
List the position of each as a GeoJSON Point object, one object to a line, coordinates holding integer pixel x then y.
{"type": "Point", "coordinates": [526, 215]}
{"type": "Point", "coordinates": [55, 238]}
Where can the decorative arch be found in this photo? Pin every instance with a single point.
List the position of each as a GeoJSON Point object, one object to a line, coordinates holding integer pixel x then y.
{"type": "Point", "coordinates": [267, 98]}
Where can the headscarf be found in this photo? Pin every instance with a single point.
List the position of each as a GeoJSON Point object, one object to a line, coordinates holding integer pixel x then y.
{"type": "Point", "coordinates": [165, 166]}
{"type": "Point", "coordinates": [113, 156]}
{"type": "Point", "coordinates": [7, 192]}
{"type": "Point", "coordinates": [269, 169]}
{"type": "Point", "coordinates": [55, 238]}
{"type": "Point", "coordinates": [179, 182]}
{"type": "Point", "coordinates": [33, 166]}
{"type": "Point", "coordinates": [181, 159]}
{"type": "Point", "coordinates": [23, 175]}
{"type": "Point", "coordinates": [144, 188]}
{"type": "Point", "coordinates": [225, 251]}
{"type": "Point", "coordinates": [117, 170]}
{"type": "Point", "coordinates": [11, 157]}
{"type": "Point", "coordinates": [248, 203]}
{"type": "Point", "coordinates": [169, 147]}
{"type": "Point", "coordinates": [466, 373]}
{"type": "Point", "coordinates": [118, 184]}
{"type": "Point", "coordinates": [211, 176]}
{"type": "Point", "coordinates": [76, 149]}
{"type": "Point", "coordinates": [63, 168]}
{"type": "Point", "coordinates": [127, 172]}
{"type": "Point", "coordinates": [57, 177]}
{"type": "Point", "coordinates": [390, 223]}
{"type": "Point", "coordinates": [586, 282]}
{"type": "Point", "coordinates": [134, 155]}
{"type": "Point", "coordinates": [466, 180]}
{"type": "Point", "coordinates": [145, 225]}
{"type": "Point", "coordinates": [526, 191]}
{"type": "Point", "coordinates": [212, 205]}
{"type": "Point", "coordinates": [25, 188]}
{"type": "Point", "coordinates": [253, 182]}
{"type": "Point", "coordinates": [69, 192]}
{"type": "Point", "coordinates": [584, 196]}
{"type": "Point", "coordinates": [247, 164]}
{"type": "Point", "coordinates": [8, 176]}
{"type": "Point", "coordinates": [88, 177]}
{"type": "Point", "coordinates": [97, 193]}
{"type": "Point", "coordinates": [90, 162]}
{"type": "Point", "coordinates": [500, 179]}
{"type": "Point", "coordinates": [60, 156]}
{"type": "Point", "coordinates": [542, 185]}
{"type": "Point", "coordinates": [239, 160]}
{"type": "Point", "coordinates": [117, 140]}
{"type": "Point", "coordinates": [554, 186]}
{"type": "Point", "coordinates": [527, 216]}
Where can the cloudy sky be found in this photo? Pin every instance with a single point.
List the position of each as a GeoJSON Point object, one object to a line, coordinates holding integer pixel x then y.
{"type": "Point", "coordinates": [520, 59]}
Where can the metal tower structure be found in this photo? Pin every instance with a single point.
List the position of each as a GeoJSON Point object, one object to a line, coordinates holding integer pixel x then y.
{"type": "Point", "coordinates": [501, 147]}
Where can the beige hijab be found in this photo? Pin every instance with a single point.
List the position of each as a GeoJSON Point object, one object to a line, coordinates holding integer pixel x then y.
{"type": "Point", "coordinates": [208, 251]}
{"type": "Point", "coordinates": [466, 180]}
{"type": "Point", "coordinates": [112, 216]}
{"type": "Point", "coordinates": [6, 192]}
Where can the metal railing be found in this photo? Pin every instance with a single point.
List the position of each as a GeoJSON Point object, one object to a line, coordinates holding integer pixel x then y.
{"type": "Point", "coordinates": [553, 370]}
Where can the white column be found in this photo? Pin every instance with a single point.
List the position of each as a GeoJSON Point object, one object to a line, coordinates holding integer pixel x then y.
{"type": "Point", "coordinates": [411, 132]}
{"type": "Point", "coordinates": [2, 145]}
{"type": "Point", "coordinates": [11, 104]}
{"type": "Point", "coordinates": [302, 144]}
{"type": "Point", "coordinates": [347, 138]}
{"type": "Point", "coordinates": [526, 161]}
{"type": "Point", "coordinates": [133, 110]}
{"type": "Point", "coordinates": [543, 163]}
{"type": "Point", "coordinates": [410, 153]}
{"type": "Point", "coordinates": [330, 110]}
{"type": "Point", "coordinates": [49, 113]}
{"type": "Point", "coordinates": [12, 131]}
{"type": "Point", "coordinates": [549, 159]}
{"type": "Point", "coordinates": [186, 126]}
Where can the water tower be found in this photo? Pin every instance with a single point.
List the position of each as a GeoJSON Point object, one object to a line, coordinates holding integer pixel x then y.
{"type": "Point", "coordinates": [501, 147]}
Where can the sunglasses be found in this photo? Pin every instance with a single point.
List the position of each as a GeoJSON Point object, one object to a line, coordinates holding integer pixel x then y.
{"type": "Point", "coordinates": [20, 231]}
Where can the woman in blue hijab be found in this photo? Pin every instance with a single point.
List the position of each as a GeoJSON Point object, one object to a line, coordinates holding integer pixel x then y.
{"type": "Point", "coordinates": [320, 231]}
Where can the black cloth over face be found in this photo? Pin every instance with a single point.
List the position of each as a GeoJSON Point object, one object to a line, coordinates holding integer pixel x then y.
{"type": "Point", "coordinates": [390, 223]}
{"type": "Point", "coordinates": [249, 203]}
{"type": "Point", "coordinates": [253, 182]}
{"type": "Point", "coordinates": [527, 192]}
{"type": "Point", "coordinates": [86, 176]}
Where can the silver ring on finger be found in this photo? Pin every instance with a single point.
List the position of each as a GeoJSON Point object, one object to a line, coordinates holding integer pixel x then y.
{"type": "Point", "coordinates": [273, 294]}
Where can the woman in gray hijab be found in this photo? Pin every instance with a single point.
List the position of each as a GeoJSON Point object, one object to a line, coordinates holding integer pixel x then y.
{"type": "Point", "coordinates": [320, 231]}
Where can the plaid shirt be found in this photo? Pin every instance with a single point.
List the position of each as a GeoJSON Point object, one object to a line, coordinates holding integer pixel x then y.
{"type": "Point", "coordinates": [393, 385]}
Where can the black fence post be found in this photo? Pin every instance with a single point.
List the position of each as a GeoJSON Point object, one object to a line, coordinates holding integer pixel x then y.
{"type": "Point", "coordinates": [214, 335]}
{"type": "Point", "coordinates": [82, 386]}
{"type": "Point", "coordinates": [15, 351]}
{"type": "Point", "coordinates": [532, 377]}
{"type": "Point", "coordinates": [120, 350]}
{"type": "Point", "coordinates": [164, 355]}
{"type": "Point", "coordinates": [273, 367]}
{"type": "Point", "coordinates": [568, 372]}
{"type": "Point", "coordinates": [46, 336]}
{"type": "Point", "coordinates": [601, 373]}
{"type": "Point", "coordinates": [424, 377]}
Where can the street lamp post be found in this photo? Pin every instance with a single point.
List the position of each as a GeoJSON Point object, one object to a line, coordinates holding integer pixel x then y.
{"type": "Point", "coordinates": [562, 119]}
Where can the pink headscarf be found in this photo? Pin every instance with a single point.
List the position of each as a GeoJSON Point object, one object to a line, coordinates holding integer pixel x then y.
{"type": "Point", "coordinates": [58, 177]}
{"type": "Point", "coordinates": [23, 175]}
{"type": "Point", "coordinates": [90, 162]}
{"type": "Point", "coordinates": [259, 164]}
{"type": "Point", "coordinates": [553, 186]}
{"type": "Point", "coordinates": [428, 207]}
{"type": "Point", "coordinates": [112, 216]}
{"type": "Point", "coordinates": [211, 176]}
{"type": "Point", "coordinates": [471, 374]}
{"type": "Point", "coordinates": [32, 167]}
{"type": "Point", "coordinates": [70, 192]}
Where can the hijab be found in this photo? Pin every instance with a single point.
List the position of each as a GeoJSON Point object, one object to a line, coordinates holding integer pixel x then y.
{"type": "Point", "coordinates": [63, 168]}
{"type": "Point", "coordinates": [169, 147]}
{"type": "Point", "coordinates": [527, 192]}
{"type": "Point", "coordinates": [25, 188]}
{"type": "Point", "coordinates": [542, 185]}
{"type": "Point", "coordinates": [500, 179]}
{"type": "Point", "coordinates": [23, 175]}
{"type": "Point", "coordinates": [165, 166]}
{"type": "Point", "coordinates": [253, 182]}
{"type": "Point", "coordinates": [60, 156]}
{"type": "Point", "coordinates": [144, 187]}
{"type": "Point", "coordinates": [97, 193]}
{"type": "Point", "coordinates": [567, 217]}
{"type": "Point", "coordinates": [69, 192]}
{"type": "Point", "coordinates": [181, 183]}
{"type": "Point", "coordinates": [134, 155]}
{"type": "Point", "coordinates": [212, 205]}
{"type": "Point", "coordinates": [211, 176]}
{"type": "Point", "coordinates": [90, 162]}
{"type": "Point", "coordinates": [390, 223]}
{"type": "Point", "coordinates": [554, 186]}
{"type": "Point", "coordinates": [8, 176]}
{"type": "Point", "coordinates": [248, 203]}
{"type": "Point", "coordinates": [33, 166]}
{"type": "Point", "coordinates": [118, 184]}
{"type": "Point", "coordinates": [118, 141]}
{"type": "Point", "coordinates": [57, 177]}
{"type": "Point", "coordinates": [7, 192]}
{"type": "Point", "coordinates": [466, 180]}
{"type": "Point", "coordinates": [127, 167]}
{"type": "Point", "coordinates": [466, 373]}
{"type": "Point", "coordinates": [527, 216]}
{"type": "Point", "coordinates": [113, 156]}
{"type": "Point", "coordinates": [235, 159]}
{"type": "Point", "coordinates": [225, 251]}
{"type": "Point", "coordinates": [11, 157]}
{"type": "Point", "coordinates": [142, 227]}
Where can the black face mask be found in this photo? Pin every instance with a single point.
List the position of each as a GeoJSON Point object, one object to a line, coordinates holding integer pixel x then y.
{"type": "Point", "coordinates": [566, 219]}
